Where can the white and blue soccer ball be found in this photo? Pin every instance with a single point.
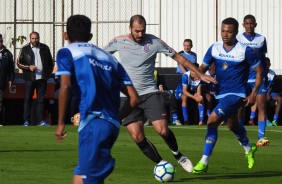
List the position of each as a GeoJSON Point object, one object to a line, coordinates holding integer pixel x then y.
{"type": "Point", "coordinates": [164, 171]}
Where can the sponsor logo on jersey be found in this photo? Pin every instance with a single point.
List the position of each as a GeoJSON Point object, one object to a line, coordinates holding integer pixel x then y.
{"type": "Point", "coordinates": [94, 62]}
{"type": "Point", "coordinates": [226, 55]}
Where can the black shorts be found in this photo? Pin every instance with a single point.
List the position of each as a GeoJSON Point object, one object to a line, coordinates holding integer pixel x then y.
{"type": "Point", "coordinates": [151, 106]}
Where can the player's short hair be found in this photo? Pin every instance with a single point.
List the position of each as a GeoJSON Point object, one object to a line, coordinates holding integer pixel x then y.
{"type": "Point", "coordinates": [79, 28]}
{"type": "Point", "coordinates": [231, 21]}
{"type": "Point", "coordinates": [0, 35]}
{"type": "Point", "coordinates": [249, 16]}
{"type": "Point", "coordinates": [188, 40]}
{"type": "Point", "coordinates": [138, 18]}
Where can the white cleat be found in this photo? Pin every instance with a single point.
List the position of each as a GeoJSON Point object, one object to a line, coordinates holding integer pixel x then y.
{"type": "Point", "coordinates": [186, 163]}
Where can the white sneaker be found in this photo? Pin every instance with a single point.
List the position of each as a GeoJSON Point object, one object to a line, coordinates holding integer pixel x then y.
{"type": "Point", "coordinates": [177, 123]}
{"type": "Point", "coordinates": [186, 163]}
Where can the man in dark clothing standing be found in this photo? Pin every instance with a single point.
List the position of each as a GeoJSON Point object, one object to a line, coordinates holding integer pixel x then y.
{"type": "Point", "coordinates": [36, 61]}
{"type": "Point", "coordinates": [7, 73]}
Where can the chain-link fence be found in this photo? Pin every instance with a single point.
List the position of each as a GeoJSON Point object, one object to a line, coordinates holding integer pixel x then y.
{"type": "Point", "coordinates": [18, 18]}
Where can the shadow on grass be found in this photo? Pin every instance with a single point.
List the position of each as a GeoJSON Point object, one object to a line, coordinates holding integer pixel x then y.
{"type": "Point", "coordinates": [210, 177]}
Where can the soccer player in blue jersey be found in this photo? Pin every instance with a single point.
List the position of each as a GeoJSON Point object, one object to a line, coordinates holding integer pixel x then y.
{"type": "Point", "coordinates": [232, 59]}
{"type": "Point", "coordinates": [138, 52]}
{"type": "Point", "coordinates": [192, 88]}
{"type": "Point", "coordinates": [258, 43]}
{"type": "Point", "coordinates": [271, 96]}
{"type": "Point", "coordinates": [188, 54]}
{"type": "Point", "coordinates": [96, 78]}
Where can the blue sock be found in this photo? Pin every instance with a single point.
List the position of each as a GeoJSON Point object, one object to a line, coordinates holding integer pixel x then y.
{"type": "Point", "coordinates": [241, 121]}
{"type": "Point", "coordinates": [261, 129]}
{"type": "Point", "coordinates": [241, 135]}
{"type": "Point", "coordinates": [174, 117]}
{"type": "Point", "coordinates": [201, 109]}
{"type": "Point", "coordinates": [208, 112]}
{"type": "Point", "coordinates": [275, 117]}
{"type": "Point", "coordinates": [211, 138]}
{"type": "Point", "coordinates": [253, 115]}
{"type": "Point", "coordinates": [185, 113]}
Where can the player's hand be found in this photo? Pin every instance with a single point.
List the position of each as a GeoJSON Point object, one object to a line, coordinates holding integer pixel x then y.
{"type": "Point", "coordinates": [208, 79]}
{"type": "Point", "coordinates": [32, 68]}
{"type": "Point", "coordinates": [60, 133]}
{"type": "Point", "coordinates": [250, 100]}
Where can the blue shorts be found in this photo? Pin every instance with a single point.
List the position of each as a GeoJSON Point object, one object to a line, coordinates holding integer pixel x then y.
{"type": "Point", "coordinates": [94, 153]}
{"type": "Point", "coordinates": [262, 89]}
{"type": "Point", "coordinates": [273, 94]}
{"type": "Point", "coordinates": [228, 106]}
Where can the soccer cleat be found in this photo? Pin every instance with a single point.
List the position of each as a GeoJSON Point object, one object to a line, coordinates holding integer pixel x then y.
{"type": "Point", "coordinates": [274, 123]}
{"type": "Point", "coordinates": [186, 163]}
{"type": "Point", "coordinates": [147, 123]}
{"type": "Point", "coordinates": [250, 156]}
{"type": "Point", "coordinates": [200, 168]}
{"type": "Point", "coordinates": [263, 142]}
{"type": "Point", "coordinates": [26, 123]}
{"type": "Point", "coordinates": [268, 123]}
{"type": "Point", "coordinates": [43, 123]}
{"type": "Point", "coordinates": [177, 123]}
{"type": "Point", "coordinates": [252, 122]}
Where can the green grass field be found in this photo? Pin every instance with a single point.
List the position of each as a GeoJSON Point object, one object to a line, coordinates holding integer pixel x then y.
{"type": "Point", "coordinates": [30, 155]}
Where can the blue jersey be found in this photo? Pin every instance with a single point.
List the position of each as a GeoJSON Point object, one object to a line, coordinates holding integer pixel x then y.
{"type": "Point", "coordinates": [231, 68]}
{"type": "Point", "coordinates": [96, 77]}
{"type": "Point", "coordinates": [258, 43]}
{"type": "Point", "coordinates": [191, 56]}
{"type": "Point", "coordinates": [188, 81]}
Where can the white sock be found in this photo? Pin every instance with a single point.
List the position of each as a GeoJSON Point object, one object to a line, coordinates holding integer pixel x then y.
{"type": "Point", "coordinates": [175, 152]}
{"type": "Point", "coordinates": [247, 148]}
{"type": "Point", "coordinates": [205, 159]}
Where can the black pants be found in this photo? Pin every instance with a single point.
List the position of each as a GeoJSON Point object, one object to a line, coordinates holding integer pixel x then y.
{"type": "Point", "coordinates": [1, 105]}
{"type": "Point", "coordinates": [40, 86]}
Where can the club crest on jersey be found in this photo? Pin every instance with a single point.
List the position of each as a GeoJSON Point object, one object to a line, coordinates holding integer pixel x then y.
{"type": "Point", "coordinates": [225, 66]}
{"type": "Point", "coordinates": [146, 48]}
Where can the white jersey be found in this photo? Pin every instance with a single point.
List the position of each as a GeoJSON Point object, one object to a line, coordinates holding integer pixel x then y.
{"type": "Point", "coordinates": [138, 59]}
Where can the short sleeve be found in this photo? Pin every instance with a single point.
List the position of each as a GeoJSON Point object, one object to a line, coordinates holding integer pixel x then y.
{"type": "Point", "coordinates": [64, 62]}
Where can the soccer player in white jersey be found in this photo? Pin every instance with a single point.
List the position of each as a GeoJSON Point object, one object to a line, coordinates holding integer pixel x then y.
{"type": "Point", "coordinates": [232, 60]}
{"type": "Point", "coordinates": [258, 43]}
{"type": "Point", "coordinates": [96, 78]}
{"type": "Point", "coordinates": [138, 52]}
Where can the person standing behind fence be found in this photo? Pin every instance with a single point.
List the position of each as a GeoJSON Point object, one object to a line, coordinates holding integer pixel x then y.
{"type": "Point", "coordinates": [188, 54]}
{"type": "Point", "coordinates": [7, 73]}
{"type": "Point", "coordinates": [36, 61]}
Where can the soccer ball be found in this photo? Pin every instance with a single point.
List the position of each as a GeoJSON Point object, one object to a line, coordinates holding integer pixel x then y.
{"type": "Point", "coordinates": [164, 171]}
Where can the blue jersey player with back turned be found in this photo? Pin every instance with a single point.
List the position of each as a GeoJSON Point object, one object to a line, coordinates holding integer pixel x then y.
{"type": "Point", "coordinates": [96, 79]}
{"type": "Point", "coordinates": [232, 60]}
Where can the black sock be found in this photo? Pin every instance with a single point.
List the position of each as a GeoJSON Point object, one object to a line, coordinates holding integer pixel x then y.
{"type": "Point", "coordinates": [149, 150]}
{"type": "Point", "coordinates": [170, 140]}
